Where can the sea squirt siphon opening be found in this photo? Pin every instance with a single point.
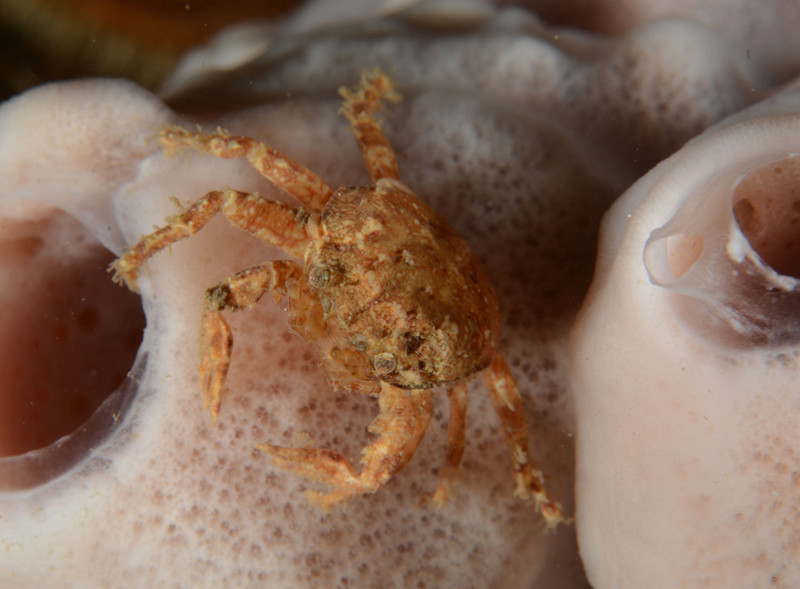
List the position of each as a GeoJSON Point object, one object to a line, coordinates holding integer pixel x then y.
{"type": "Point", "coordinates": [69, 339]}
{"type": "Point", "coordinates": [730, 256]}
{"type": "Point", "coordinates": [766, 205]}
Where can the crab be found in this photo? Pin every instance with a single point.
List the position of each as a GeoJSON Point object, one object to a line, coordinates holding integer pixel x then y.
{"type": "Point", "coordinates": [393, 297]}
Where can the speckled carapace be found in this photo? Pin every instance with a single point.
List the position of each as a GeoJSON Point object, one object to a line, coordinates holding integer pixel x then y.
{"type": "Point", "coordinates": [391, 294]}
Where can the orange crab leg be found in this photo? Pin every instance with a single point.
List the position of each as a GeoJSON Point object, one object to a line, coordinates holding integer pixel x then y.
{"type": "Point", "coordinates": [360, 106]}
{"type": "Point", "coordinates": [401, 424]}
{"type": "Point", "coordinates": [240, 291]}
{"type": "Point", "coordinates": [285, 173]}
{"type": "Point", "coordinates": [508, 406]}
{"type": "Point", "coordinates": [274, 222]}
{"type": "Point", "coordinates": [456, 443]}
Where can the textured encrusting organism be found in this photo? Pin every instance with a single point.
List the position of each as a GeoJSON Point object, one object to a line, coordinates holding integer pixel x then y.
{"type": "Point", "coordinates": [688, 445]}
{"type": "Point", "coordinates": [518, 133]}
{"type": "Point", "coordinates": [393, 296]}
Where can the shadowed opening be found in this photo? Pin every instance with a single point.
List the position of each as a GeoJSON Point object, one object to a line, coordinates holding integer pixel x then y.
{"type": "Point", "coordinates": [731, 255]}
{"type": "Point", "coordinates": [69, 335]}
{"type": "Point", "coordinates": [767, 209]}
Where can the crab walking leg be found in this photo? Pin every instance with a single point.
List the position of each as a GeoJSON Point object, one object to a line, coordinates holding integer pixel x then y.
{"type": "Point", "coordinates": [274, 222]}
{"type": "Point", "coordinates": [456, 442]}
{"type": "Point", "coordinates": [240, 291]}
{"type": "Point", "coordinates": [401, 424]}
{"type": "Point", "coordinates": [285, 173]}
{"type": "Point", "coordinates": [216, 347]}
{"type": "Point", "coordinates": [359, 108]}
{"type": "Point", "coordinates": [508, 406]}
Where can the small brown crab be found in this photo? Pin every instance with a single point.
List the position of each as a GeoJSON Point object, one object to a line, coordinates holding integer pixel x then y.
{"type": "Point", "coordinates": [390, 292]}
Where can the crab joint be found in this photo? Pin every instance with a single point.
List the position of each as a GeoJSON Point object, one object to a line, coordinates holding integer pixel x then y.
{"type": "Point", "coordinates": [218, 297]}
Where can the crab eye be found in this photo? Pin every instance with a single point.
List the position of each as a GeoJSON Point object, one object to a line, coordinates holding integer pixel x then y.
{"type": "Point", "coordinates": [319, 276]}
{"type": "Point", "coordinates": [384, 363]}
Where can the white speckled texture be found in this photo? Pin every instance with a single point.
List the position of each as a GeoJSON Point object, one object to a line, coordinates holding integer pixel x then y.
{"type": "Point", "coordinates": [688, 447]}
{"type": "Point", "coordinates": [172, 499]}
{"type": "Point", "coordinates": [519, 135]}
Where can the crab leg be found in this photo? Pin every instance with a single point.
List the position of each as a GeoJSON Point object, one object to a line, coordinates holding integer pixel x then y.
{"type": "Point", "coordinates": [508, 406]}
{"type": "Point", "coordinates": [274, 222]}
{"type": "Point", "coordinates": [359, 108]}
{"type": "Point", "coordinates": [240, 291]}
{"type": "Point", "coordinates": [401, 424]}
{"type": "Point", "coordinates": [456, 442]}
{"type": "Point", "coordinates": [285, 173]}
